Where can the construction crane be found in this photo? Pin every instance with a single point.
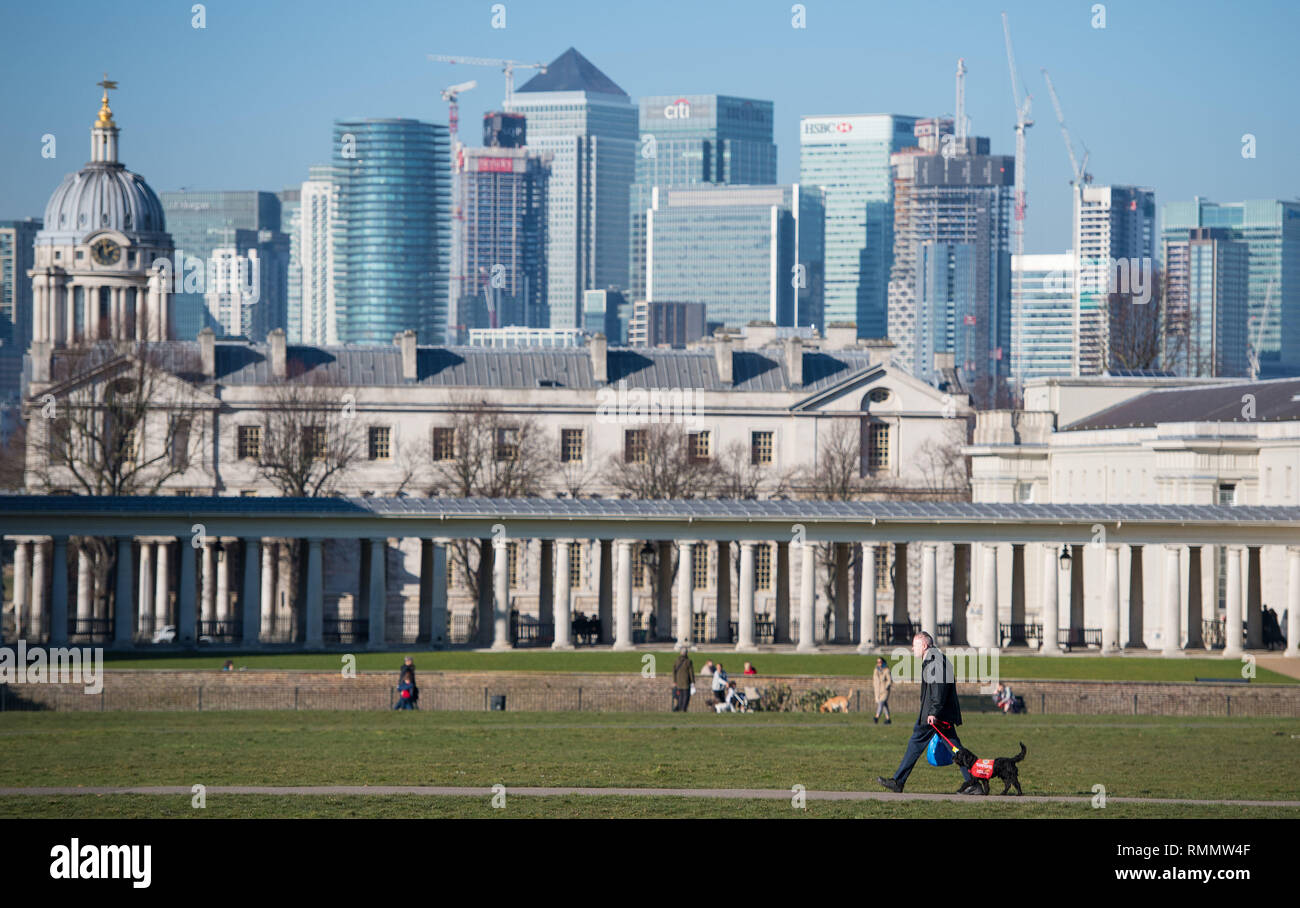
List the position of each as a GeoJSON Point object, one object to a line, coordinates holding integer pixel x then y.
{"type": "Point", "coordinates": [453, 107]}
{"type": "Point", "coordinates": [1252, 354]}
{"type": "Point", "coordinates": [506, 66]}
{"type": "Point", "coordinates": [959, 120]}
{"type": "Point", "coordinates": [1080, 171]}
{"type": "Point", "coordinates": [1023, 122]}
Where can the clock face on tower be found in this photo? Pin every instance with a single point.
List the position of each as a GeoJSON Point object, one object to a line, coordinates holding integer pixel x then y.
{"type": "Point", "coordinates": [105, 251]}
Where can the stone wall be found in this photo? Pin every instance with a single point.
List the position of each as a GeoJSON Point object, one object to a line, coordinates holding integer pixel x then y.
{"type": "Point", "coordinates": [155, 689]}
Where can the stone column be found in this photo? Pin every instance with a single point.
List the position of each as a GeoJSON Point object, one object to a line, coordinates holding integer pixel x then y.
{"type": "Point", "coordinates": [745, 622]}
{"type": "Point", "coordinates": [208, 612]}
{"type": "Point", "coordinates": [144, 607]}
{"type": "Point", "coordinates": [961, 561]}
{"type": "Point", "coordinates": [930, 589]}
{"type": "Point", "coordinates": [685, 591]}
{"type": "Point", "coordinates": [546, 583]}
{"type": "Point", "coordinates": [425, 620]}
{"type": "Point", "coordinates": [663, 608]}
{"type": "Point", "coordinates": [267, 599]}
{"type": "Point", "coordinates": [223, 582]}
{"type": "Point", "coordinates": [989, 597]}
{"type": "Point", "coordinates": [1017, 586]}
{"type": "Point", "coordinates": [1136, 600]}
{"type": "Point", "coordinates": [439, 634]}
{"type": "Point", "coordinates": [1292, 612]}
{"type": "Point", "coordinates": [23, 589]}
{"type": "Point", "coordinates": [501, 596]}
{"type": "Point", "coordinates": [250, 604]}
{"type": "Point", "coordinates": [1050, 616]}
{"type": "Point", "coordinates": [123, 613]}
{"type": "Point", "coordinates": [867, 604]}
{"type": "Point", "coordinates": [1232, 637]}
{"type": "Point", "coordinates": [843, 591]}
{"type": "Point", "coordinates": [623, 606]}
{"type": "Point", "coordinates": [186, 592]}
{"type": "Point", "coordinates": [807, 597]}
{"type": "Point", "coordinates": [315, 589]}
{"type": "Point", "coordinates": [1195, 588]}
{"type": "Point", "coordinates": [605, 589]}
{"type": "Point", "coordinates": [724, 592]}
{"type": "Point", "coordinates": [1254, 601]}
{"type": "Point", "coordinates": [162, 585]}
{"type": "Point", "coordinates": [1172, 629]}
{"type": "Point", "coordinates": [563, 597]}
{"type": "Point", "coordinates": [57, 623]}
{"type": "Point", "coordinates": [1110, 607]}
{"type": "Point", "coordinates": [85, 588]}
{"type": "Point", "coordinates": [377, 591]}
{"type": "Point", "coordinates": [781, 632]}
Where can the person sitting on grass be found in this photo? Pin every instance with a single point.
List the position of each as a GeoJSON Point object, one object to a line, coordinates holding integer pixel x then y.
{"type": "Point", "coordinates": [749, 669]}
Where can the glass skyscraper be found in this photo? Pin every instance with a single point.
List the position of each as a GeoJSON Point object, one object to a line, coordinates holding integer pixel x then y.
{"type": "Point", "coordinates": [849, 158]}
{"type": "Point", "coordinates": [392, 242]}
{"type": "Point", "coordinates": [200, 223]}
{"type": "Point", "coordinates": [589, 127]}
{"type": "Point", "coordinates": [689, 139]}
{"type": "Point", "coordinates": [17, 255]}
{"type": "Point", "coordinates": [1042, 316]}
{"type": "Point", "coordinates": [747, 252]}
{"type": "Point", "coordinates": [1270, 230]}
{"type": "Point", "coordinates": [1206, 305]}
{"type": "Point", "coordinates": [291, 221]}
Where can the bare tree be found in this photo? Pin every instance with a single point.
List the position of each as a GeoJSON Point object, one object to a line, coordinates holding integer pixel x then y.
{"type": "Point", "coordinates": [738, 476]}
{"type": "Point", "coordinates": [312, 439]}
{"type": "Point", "coordinates": [944, 469]}
{"type": "Point", "coordinates": [1134, 329]}
{"type": "Point", "coordinates": [658, 462]}
{"type": "Point", "coordinates": [836, 475]}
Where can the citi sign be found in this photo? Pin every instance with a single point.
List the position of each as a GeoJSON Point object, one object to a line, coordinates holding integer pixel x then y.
{"type": "Point", "coordinates": [678, 110]}
{"type": "Point", "coordinates": [843, 127]}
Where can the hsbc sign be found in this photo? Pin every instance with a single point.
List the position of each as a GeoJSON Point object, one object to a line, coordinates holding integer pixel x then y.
{"type": "Point", "coordinates": [825, 127]}
{"type": "Point", "coordinates": [845, 129]}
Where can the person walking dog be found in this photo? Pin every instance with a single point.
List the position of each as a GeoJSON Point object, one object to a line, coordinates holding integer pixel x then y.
{"type": "Point", "coordinates": [683, 681]}
{"type": "Point", "coordinates": [881, 682]}
{"type": "Point", "coordinates": [939, 709]}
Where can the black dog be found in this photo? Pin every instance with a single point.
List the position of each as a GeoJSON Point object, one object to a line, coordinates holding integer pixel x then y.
{"type": "Point", "coordinates": [981, 771]}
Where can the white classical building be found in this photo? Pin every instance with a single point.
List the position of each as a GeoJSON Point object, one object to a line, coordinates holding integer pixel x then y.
{"type": "Point", "coordinates": [1148, 441]}
{"type": "Point", "coordinates": [776, 402]}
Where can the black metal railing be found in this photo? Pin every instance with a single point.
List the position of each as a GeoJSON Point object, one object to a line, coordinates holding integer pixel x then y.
{"type": "Point", "coordinates": [1070, 637]}
{"type": "Point", "coordinates": [525, 630]}
{"type": "Point", "coordinates": [764, 630]}
{"type": "Point", "coordinates": [1214, 632]}
{"type": "Point", "coordinates": [1024, 634]}
{"type": "Point", "coordinates": [585, 630]}
{"type": "Point", "coordinates": [463, 628]}
{"type": "Point", "coordinates": [227, 631]}
{"type": "Point", "coordinates": [402, 630]}
{"type": "Point", "coordinates": [345, 630]}
{"type": "Point", "coordinates": [889, 633]}
{"type": "Point", "coordinates": [90, 630]}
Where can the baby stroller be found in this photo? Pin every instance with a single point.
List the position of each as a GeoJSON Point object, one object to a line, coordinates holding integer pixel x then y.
{"type": "Point", "coordinates": [735, 702]}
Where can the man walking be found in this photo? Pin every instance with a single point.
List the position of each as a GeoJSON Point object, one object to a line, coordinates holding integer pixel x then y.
{"type": "Point", "coordinates": [939, 709]}
{"type": "Point", "coordinates": [683, 681]}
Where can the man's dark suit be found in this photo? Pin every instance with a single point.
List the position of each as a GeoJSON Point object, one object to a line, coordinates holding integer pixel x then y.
{"type": "Point", "coordinates": [938, 699]}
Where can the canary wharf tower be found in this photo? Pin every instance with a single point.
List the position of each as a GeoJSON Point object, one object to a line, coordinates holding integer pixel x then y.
{"type": "Point", "coordinates": [102, 261]}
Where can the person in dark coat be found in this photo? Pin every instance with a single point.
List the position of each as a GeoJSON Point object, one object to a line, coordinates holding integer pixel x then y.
{"type": "Point", "coordinates": [939, 709]}
{"type": "Point", "coordinates": [683, 681]}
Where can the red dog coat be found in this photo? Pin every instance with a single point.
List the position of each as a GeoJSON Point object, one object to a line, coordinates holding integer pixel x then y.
{"type": "Point", "coordinates": [982, 769]}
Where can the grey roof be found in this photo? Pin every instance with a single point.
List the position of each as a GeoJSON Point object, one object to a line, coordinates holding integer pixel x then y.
{"type": "Point", "coordinates": [612, 508]}
{"type": "Point", "coordinates": [243, 363]}
{"type": "Point", "coordinates": [1272, 400]}
{"type": "Point", "coordinates": [571, 71]}
{"type": "Point", "coordinates": [103, 195]}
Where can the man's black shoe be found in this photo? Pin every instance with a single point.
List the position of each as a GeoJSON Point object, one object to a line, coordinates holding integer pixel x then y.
{"type": "Point", "coordinates": [890, 784]}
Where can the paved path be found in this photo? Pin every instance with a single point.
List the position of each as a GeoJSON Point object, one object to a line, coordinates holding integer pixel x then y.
{"type": "Point", "coordinates": [1280, 664]}
{"type": "Point", "coordinates": [733, 793]}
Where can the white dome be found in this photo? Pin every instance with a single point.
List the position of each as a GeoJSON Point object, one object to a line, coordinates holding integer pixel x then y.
{"type": "Point", "coordinates": [104, 196]}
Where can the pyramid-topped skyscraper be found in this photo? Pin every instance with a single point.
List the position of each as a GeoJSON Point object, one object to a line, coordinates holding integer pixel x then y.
{"type": "Point", "coordinates": [589, 124]}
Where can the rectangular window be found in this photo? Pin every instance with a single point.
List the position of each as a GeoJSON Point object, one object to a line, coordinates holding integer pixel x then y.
{"type": "Point", "coordinates": [507, 444]}
{"type": "Point", "coordinates": [313, 442]}
{"type": "Point", "coordinates": [250, 442]}
{"type": "Point", "coordinates": [570, 446]}
{"type": "Point", "coordinates": [699, 446]}
{"type": "Point", "coordinates": [381, 442]}
{"type": "Point", "coordinates": [180, 444]}
{"type": "Point", "coordinates": [699, 568]}
{"type": "Point", "coordinates": [1025, 492]}
{"type": "Point", "coordinates": [763, 566]}
{"type": "Point", "coordinates": [575, 565]}
{"type": "Point", "coordinates": [58, 440]}
{"type": "Point", "coordinates": [1228, 494]}
{"type": "Point", "coordinates": [444, 443]}
{"type": "Point", "coordinates": [878, 447]}
{"type": "Point", "coordinates": [760, 448]}
{"type": "Point", "coordinates": [634, 446]}
{"type": "Point", "coordinates": [513, 566]}
{"type": "Point", "coordinates": [882, 567]}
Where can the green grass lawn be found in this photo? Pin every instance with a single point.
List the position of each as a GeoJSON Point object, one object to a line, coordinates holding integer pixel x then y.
{"type": "Point", "coordinates": [1131, 756]}
{"type": "Point", "coordinates": [1078, 668]}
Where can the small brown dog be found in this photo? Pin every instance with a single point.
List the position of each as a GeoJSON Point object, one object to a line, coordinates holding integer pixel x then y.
{"type": "Point", "coordinates": [836, 705]}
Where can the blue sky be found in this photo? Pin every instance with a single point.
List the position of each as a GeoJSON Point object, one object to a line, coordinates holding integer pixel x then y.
{"type": "Point", "coordinates": [1161, 96]}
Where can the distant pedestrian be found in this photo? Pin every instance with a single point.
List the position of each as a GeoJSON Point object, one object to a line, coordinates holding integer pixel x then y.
{"type": "Point", "coordinates": [749, 669]}
{"type": "Point", "coordinates": [881, 683]}
{"type": "Point", "coordinates": [708, 668]}
{"type": "Point", "coordinates": [719, 683]}
{"type": "Point", "coordinates": [405, 692]}
{"type": "Point", "coordinates": [408, 668]}
{"type": "Point", "coordinates": [683, 681]}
